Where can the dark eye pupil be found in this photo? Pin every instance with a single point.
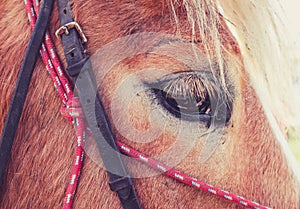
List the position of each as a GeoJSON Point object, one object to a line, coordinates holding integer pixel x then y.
{"type": "Point", "coordinates": [187, 107]}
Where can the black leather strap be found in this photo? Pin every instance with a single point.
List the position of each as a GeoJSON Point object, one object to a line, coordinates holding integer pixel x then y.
{"type": "Point", "coordinates": [21, 89]}
{"type": "Point", "coordinates": [86, 89]}
{"type": "Point", "coordinates": [98, 122]}
{"type": "Point", "coordinates": [74, 49]}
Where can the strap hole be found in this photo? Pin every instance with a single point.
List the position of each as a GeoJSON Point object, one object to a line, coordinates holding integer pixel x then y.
{"type": "Point", "coordinates": [65, 11]}
{"type": "Point", "coordinates": [88, 101]}
{"type": "Point", "coordinates": [72, 54]}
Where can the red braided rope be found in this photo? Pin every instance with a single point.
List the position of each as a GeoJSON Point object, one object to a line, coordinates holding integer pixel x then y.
{"type": "Point", "coordinates": [63, 87]}
{"type": "Point", "coordinates": [182, 177]}
{"type": "Point", "coordinates": [72, 111]}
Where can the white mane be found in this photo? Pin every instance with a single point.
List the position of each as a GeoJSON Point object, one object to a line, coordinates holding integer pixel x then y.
{"type": "Point", "coordinates": [266, 44]}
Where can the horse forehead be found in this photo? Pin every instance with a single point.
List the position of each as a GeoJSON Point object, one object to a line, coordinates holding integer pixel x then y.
{"type": "Point", "coordinates": [121, 18]}
{"type": "Point", "coordinates": [106, 21]}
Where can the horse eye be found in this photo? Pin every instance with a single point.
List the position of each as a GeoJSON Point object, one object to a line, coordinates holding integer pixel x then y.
{"type": "Point", "coordinates": [184, 108]}
{"type": "Point", "coordinates": [186, 96]}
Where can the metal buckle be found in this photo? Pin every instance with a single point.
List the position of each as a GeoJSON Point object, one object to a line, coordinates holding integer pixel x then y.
{"type": "Point", "coordinates": [65, 30]}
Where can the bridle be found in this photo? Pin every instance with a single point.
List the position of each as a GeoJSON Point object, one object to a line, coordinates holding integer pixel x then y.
{"type": "Point", "coordinates": [80, 104]}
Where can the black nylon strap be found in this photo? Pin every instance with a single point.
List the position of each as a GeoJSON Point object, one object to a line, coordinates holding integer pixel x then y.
{"type": "Point", "coordinates": [86, 89]}
{"type": "Point", "coordinates": [21, 89]}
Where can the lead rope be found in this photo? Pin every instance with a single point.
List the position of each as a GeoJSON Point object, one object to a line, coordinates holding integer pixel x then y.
{"type": "Point", "coordinates": [63, 87]}
{"type": "Point", "coordinates": [72, 111]}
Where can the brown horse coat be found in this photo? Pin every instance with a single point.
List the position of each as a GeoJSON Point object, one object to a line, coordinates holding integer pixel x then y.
{"type": "Point", "coordinates": [248, 162]}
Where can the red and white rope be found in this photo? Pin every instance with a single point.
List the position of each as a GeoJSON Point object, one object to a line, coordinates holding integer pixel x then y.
{"type": "Point", "coordinates": [182, 177]}
{"type": "Point", "coordinates": [63, 87]}
{"type": "Point", "coordinates": [72, 111]}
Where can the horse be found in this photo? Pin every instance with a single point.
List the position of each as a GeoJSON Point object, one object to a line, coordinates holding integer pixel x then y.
{"type": "Point", "coordinates": [194, 83]}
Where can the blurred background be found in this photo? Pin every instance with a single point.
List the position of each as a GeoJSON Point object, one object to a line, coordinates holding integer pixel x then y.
{"type": "Point", "coordinates": [291, 8]}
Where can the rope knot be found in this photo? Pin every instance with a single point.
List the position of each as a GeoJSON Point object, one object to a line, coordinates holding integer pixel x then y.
{"type": "Point", "coordinates": [72, 109]}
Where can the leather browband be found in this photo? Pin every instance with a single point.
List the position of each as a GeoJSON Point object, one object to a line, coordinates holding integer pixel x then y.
{"type": "Point", "coordinates": [23, 81]}
{"type": "Point", "coordinates": [86, 89]}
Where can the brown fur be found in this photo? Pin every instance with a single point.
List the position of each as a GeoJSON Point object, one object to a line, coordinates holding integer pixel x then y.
{"type": "Point", "coordinates": [249, 162]}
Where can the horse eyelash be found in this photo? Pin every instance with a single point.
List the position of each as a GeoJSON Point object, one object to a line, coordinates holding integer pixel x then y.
{"type": "Point", "coordinates": [191, 88]}
{"type": "Point", "coordinates": [186, 87]}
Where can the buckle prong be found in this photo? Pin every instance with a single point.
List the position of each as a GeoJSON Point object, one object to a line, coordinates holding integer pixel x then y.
{"type": "Point", "coordinates": [65, 30]}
